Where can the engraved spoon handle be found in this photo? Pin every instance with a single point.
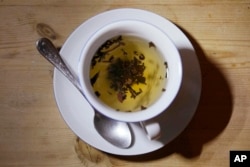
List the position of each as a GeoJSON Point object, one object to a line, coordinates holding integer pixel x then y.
{"type": "Point", "coordinates": [50, 52]}
{"type": "Point", "coordinates": [103, 124]}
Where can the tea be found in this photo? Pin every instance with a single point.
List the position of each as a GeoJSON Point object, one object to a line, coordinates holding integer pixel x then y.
{"type": "Point", "coordinates": [128, 73]}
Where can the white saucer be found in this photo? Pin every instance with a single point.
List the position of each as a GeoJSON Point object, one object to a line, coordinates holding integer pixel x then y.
{"type": "Point", "coordinates": [79, 115]}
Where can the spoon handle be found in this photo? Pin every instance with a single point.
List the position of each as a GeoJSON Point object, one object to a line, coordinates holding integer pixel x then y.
{"type": "Point", "coordinates": [50, 52]}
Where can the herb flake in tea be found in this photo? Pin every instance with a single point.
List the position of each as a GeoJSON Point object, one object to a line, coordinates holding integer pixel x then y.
{"type": "Point", "coordinates": [128, 73]}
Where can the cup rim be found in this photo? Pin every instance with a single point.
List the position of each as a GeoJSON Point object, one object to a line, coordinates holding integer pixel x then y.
{"type": "Point", "coordinates": [131, 27]}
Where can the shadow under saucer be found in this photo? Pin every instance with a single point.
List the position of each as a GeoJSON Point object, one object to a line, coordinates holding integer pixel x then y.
{"type": "Point", "coordinates": [211, 117]}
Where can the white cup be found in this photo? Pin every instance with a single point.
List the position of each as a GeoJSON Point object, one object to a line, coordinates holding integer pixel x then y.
{"type": "Point", "coordinates": [167, 49]}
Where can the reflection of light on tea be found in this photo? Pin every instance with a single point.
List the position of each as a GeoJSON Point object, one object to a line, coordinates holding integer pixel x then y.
{"type": "Point", "coordinates": [127, 73]}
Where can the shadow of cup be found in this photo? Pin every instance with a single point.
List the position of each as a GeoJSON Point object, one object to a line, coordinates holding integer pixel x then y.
{"type": "Point", "coordinates": [212, 115]}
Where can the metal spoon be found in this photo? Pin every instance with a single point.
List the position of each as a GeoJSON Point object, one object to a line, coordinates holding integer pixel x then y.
{"type": "Point", "coordinates": [116, 132]}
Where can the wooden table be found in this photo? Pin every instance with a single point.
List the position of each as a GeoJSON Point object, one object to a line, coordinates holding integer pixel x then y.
{"type": "Point", "coordinates": [32, 131]}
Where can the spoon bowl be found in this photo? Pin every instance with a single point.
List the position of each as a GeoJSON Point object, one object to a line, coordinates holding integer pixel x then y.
{"type": "Point", "coordinates": [116, 132]}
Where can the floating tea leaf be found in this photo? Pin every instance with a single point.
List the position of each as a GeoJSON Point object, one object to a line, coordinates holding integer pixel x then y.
{"type": "Point", "coordinates": [94, 78]}
{"type": "Point", "coordinates": [127, 73]}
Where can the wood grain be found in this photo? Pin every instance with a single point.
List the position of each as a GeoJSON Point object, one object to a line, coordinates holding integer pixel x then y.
{"type": "Point", "coordinates": [32, 132]}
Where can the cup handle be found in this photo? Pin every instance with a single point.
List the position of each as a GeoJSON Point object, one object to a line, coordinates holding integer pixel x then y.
{"type": "Point", "coordinates": [152, 129]}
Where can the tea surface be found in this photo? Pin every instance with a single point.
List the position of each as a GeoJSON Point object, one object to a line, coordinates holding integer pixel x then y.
{"type": "Point", "coordinates": [128, 73]}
